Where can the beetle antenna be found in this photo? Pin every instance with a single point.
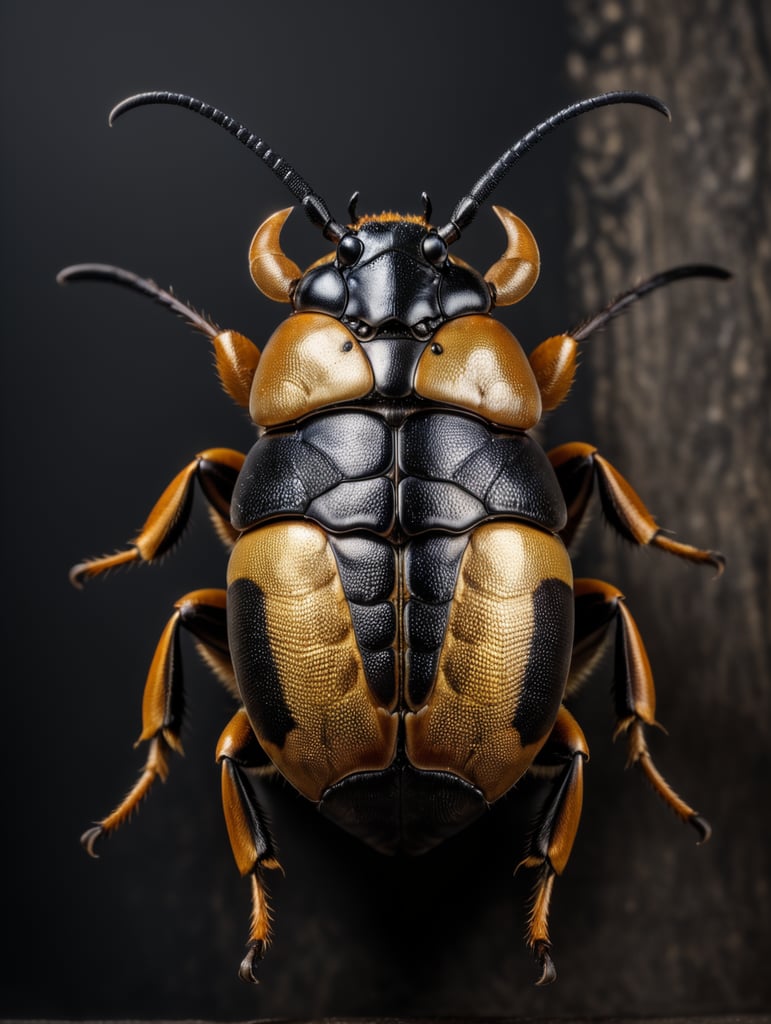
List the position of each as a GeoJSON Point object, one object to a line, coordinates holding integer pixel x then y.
{"type": "Point", "coordinates": [622, 302]}
{"type": "Point", "coordinates": [105, 272]}
{"type": "Point", "coordinates": [469, 205]}
{"type": "Point", "coordinates": [313, 204]}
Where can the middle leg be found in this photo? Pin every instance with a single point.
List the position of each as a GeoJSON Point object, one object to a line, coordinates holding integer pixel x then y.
{"type": "Point", "coordinates": [202, 613]}
{"type": "Point", "coordinates": [599, 606]}
{"type": "Point", "coordinates": [577, 466]}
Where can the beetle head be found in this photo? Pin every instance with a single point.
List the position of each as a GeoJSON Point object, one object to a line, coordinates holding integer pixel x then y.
{"type": "Point", "coordinates": [387, 269]}
{"type": "Point", "coordinates": [393, 273]}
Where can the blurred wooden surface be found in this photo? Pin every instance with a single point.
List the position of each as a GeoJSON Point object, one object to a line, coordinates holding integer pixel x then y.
{"type": "Point", "coordinates": [681, 405]}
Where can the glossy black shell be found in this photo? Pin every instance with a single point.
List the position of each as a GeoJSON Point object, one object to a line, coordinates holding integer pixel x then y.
{"type": "Point", "coordinates": [392, 280]}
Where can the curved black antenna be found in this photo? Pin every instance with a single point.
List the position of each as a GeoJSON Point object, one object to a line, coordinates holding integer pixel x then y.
{"type": "Point", "coordinates": [313, 204]}
{"type": "Point", "coordinates": [467, 208]}
{"type": "Point", "coordinates": [623, 301]}
{"type": "Point", "coordinates": [117, 275]}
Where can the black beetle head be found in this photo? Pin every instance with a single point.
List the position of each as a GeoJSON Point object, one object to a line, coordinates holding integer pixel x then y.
{"type": "Point", "coordinates": [392, 273]}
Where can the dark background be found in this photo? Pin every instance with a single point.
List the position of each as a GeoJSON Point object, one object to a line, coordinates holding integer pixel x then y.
{"type": "Point", "coordinates": [105, 397]}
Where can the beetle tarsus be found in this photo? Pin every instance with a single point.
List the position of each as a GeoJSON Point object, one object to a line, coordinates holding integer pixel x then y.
{"type": "Point", "coordinates": [545, 962]}
{"type": "Point", "coordinates": [247, 971]}
{"type": "Point", "coordinates": [702, 826]}
{"type": "Point", "coordinates": [718, 561]}
{"type": "Point", "coordinates": [84, 571]}
{"type": "Point", "coordinates": [90, 838]}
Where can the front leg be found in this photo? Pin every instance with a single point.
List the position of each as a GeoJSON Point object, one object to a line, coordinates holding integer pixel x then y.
{"type": "Point", "coordinates": [236, 357]}
{"type": "Point", "coordinates": [216, 471]}
{"type": "Point", "coordinates": [578, 466]}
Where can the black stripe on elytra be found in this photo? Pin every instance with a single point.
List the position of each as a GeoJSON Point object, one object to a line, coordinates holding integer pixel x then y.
{"type": "Point", "coordinates": [548, 660]}
{"type": "Point", "coordinates": [257, 674]}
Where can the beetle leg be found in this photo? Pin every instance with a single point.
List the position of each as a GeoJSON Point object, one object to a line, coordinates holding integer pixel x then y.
{"type": "Point", "coordinates": [598, 606]}
{"type": "Point", "coordinates": [250, 839]}
{"type": "Point", "coordinates": [577, 466]}
{"type": "Point", "coordinates": [215, 470]}
{"type": "Point", "coordinates": [202, 612]}
{"type": "Point", "coordinates": [555, 830]}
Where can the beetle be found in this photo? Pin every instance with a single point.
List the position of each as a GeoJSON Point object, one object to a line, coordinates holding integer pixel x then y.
{"type": "Point", "coordinates": [401, 627]}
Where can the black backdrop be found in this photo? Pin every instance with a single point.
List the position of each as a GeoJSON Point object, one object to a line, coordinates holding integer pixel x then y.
{"type": "Point", "coordinates": [106, 397]}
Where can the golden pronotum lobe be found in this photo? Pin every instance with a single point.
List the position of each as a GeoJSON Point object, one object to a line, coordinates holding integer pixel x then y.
{"type": "Point", "coordinates": [477, 363]}
{"type": "Point", "coordinates": [310, 361]}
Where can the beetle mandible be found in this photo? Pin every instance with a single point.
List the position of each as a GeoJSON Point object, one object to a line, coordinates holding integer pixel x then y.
{"type": "Point", "coordinates": [401, 626]}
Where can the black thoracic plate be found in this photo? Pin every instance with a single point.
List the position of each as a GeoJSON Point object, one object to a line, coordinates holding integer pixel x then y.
{"type": "Point", "coordinates": [455, 472]}
{"type": "Point", "coordinates": [393, 360]}
{"type": "Point", "coordinates": [402, 810]}
{"type": "Point", "coordinates": [332, 469]}
{"type": "Point", "coordinates": [338, 468]}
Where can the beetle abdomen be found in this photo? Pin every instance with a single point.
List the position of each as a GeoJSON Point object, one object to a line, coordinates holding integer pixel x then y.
{"type": "Point", "coordinates": [402, 810]}
{"type": "Point", "coordinates": [466, 639]}
{"type": "Point", "coordinates": [399, 598]}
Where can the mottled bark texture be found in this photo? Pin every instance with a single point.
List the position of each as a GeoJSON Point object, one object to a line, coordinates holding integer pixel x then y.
{"type": "Point", "coordinates": [680, 404]}
{"type": "Point", "coordinates": [682, 387]}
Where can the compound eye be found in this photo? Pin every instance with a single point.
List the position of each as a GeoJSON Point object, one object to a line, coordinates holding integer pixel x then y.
{"type": "Point", "coordinates": [434, 249]}
{"type": "Point", "coordinates": [349, 248]}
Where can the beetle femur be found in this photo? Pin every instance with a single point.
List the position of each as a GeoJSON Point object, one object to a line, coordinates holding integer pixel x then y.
{"type": "Point", "coordinates": [467, 208]}
{"type": "Point", "coordinates": [313, 204]}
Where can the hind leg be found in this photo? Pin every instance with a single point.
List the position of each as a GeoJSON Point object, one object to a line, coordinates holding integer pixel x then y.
{"type": "Point", "coordinates": [551, 840]}
{"type": "Point", "coordinates": [248, 828]}
{"type": "Point", "coordinates": [202, 613]}
{"type": "Point", "coordinates": [600, 606]}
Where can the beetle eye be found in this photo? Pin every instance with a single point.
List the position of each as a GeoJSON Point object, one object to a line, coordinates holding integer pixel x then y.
{"type": "Point", "coordinates": [349, 249]}
{"type": "Point", "coordinates": [434, 249]}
